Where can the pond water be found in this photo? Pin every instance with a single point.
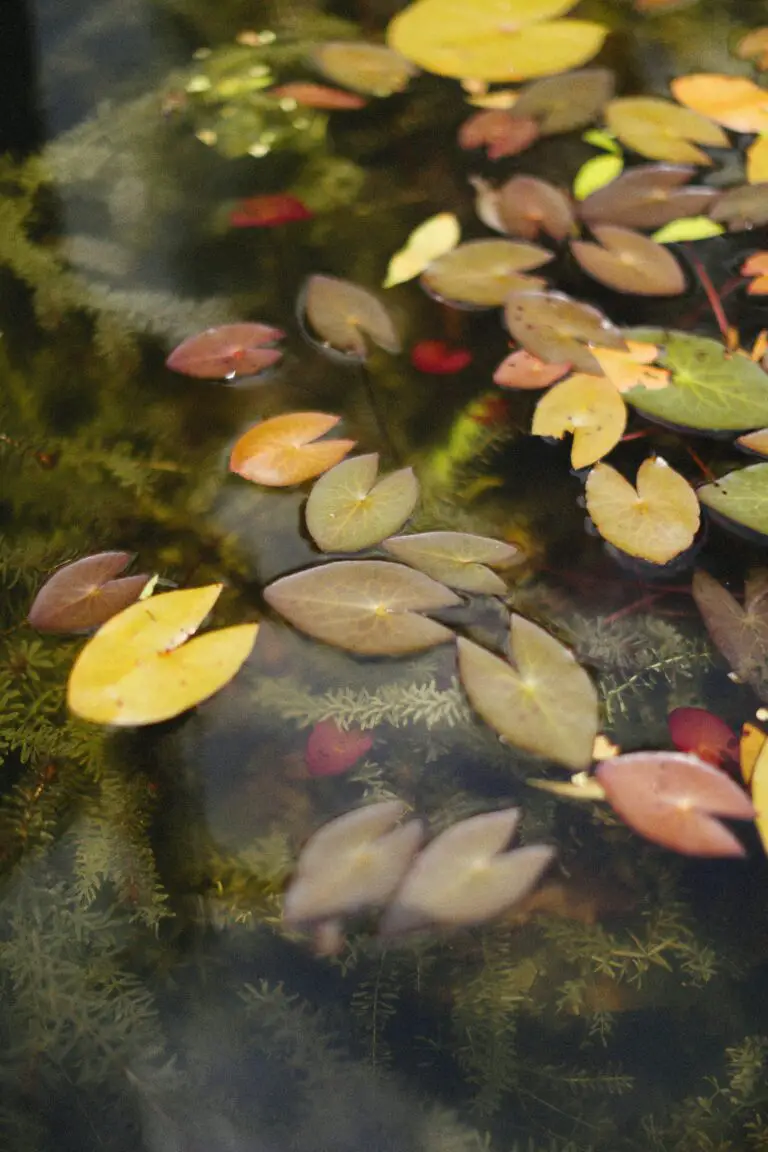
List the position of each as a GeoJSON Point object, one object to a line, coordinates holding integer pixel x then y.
{"type": "Point", "coordinates": [153, 1000]}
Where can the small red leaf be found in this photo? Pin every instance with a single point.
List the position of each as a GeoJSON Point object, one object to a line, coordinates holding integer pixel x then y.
{"type": "Point", "coordinates": [268, 211]}
{"type": "Point", "coordinates": [225, 352]}
{"type": "Point", "coordinates": [332, 750]}
{"type": "Point", "coordinates": [317, 96]}
{"type": "Point", "coordinates": [499, 132]}
{"type": "Point", "coordinates": [523, 370]}
{"type": "Point", "coordinates": [439, 358]}
{"type": "Point", "coordinates": [697, 730]}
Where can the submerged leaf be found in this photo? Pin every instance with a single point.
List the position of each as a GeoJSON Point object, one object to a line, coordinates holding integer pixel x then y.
{"type": "Point", "coordinates": [138, 670]}
{"type": "Point", "coordinates": [655, 522]}
{"type": "Point", "coordinates": [285, 450]}
{"type": "Point", "coordinates": [710, 390]}
{"type": "Point", "coordinates": [332, 750]}
{"type": "Point", "coordinates": [742, 208]}
{"type": "Point", "coordinates": [226, 352]}
{"type": "Point", "coordinates": [740, 497]}
{"type": "Point", "coordinates": [671, 798]}
{"type": "Point", "coordinates": [555, 328]}
{"type": "Point", "coordinates": [740, 633]}
{"type": "Point", "coordinates": [465, 877]}
{"type": "Point", "coordinates": [661, 130]}
{"type": "Point", "coordinates": [629, 262]}
{"type": "Point", "coordinates": [343, 314]}
{"type": "Point", "coordinates": [354, 862]}
{"type": "Point", "coordinates": [699, 731]}
{"type": "Point", "coordinates": [541, 700]}
{"type": "Point", "coordinates": [733, 101]}
{"type": "Point", "coordinates": [317, 96]}
{"type": "Point", "coordinates": [436, 236]}
{"type": "Point", "coordinates": [522, 370]}
{"type": "Point", "coordinates": [482, 273]}
{"type": "Point", "coordinates": [269, 211]}
{"type": "Point", "coordinates": [528, 206]}
{"type": "Point", "coordinates": [366, 606]}
{"type": "Point", "coordinates": [368, 68]}
{"type": "Point", "coordinates": [84, 594]}
{"type": "Point", "coordinates": [647, 196]}
{"type": "Point", "coordinates": [348, 509]}
{"type": "Point", "coordinates": [500, 133]}
{"type": "Point", "coordinates": [457, 559]}
{"type": "Point", "coordinates": [590, 408]}
{"type": "Point", "coordinates": [566, 102]}
{"type": "Point", "coordinates": [439, 358]}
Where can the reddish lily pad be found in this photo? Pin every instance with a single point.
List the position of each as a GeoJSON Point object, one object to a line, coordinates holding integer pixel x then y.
{"type": "Point", "coordinates": [268, 211]}
{"type": "Point", "coordinates": [701, 732]}
{"type": "Point", "coordinates": [528, 206]}
{"type": "Point", "coordinates": [438, 358]}
{"type": "Point", "coordinates": [83, 595]}
{"type": "Point", "coordinates": [332, 750]}
{"type": "Point", "coordinates": [227, 352]}
{"type": "Point", "coordinates": [500, 133]}
{"type": "Point", "coordinates": [629, 262]}
{"type": "Point", "coordinates": [559, 330]}
{"type": "Point", "coordinates": [522, 370]}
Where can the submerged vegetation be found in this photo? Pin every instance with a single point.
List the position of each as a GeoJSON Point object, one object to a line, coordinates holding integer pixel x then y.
{"type": "Point", "coordinates": [256, 884]}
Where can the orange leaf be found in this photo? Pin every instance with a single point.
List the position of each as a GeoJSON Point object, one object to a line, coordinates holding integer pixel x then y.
{"type": "Point", "coordinates": [632, 369]}
{"type": "Point", "coordinates": [750, 747]}
{"type": "Point", "coordinates": [756, 266]}
{"type": "Point", "coordinates": [757, 161]}
{"type": "Point", "coordinates": [285, 449]}
{"type": "Point", "coordinates": [754, 46]}
{"type": "Point", "coordinates": [733, 101]}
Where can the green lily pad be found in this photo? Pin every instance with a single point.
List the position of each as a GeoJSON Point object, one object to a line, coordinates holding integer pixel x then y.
{"type": "Point", "coordinates": [709, 390]}
{"type": "Point", "coordinates": [349, 509]}
{"type": "Point", "coordinates": [457, 559]}
{"type": "Point", "coordinates": [740, 497]}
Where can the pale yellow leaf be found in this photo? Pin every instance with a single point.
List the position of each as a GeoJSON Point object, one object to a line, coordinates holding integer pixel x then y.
{"type": "Point", "coordinates": [436, 236]}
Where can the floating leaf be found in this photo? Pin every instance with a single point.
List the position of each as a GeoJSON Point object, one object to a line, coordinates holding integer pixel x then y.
{"type": "Point", "coordinates": [759, 783]}
{"type": "Point", "coordinates": [595, 174]}
{"type": "Point", "coordinates": [268, 211]}
{"type": "Point", "coordinates": [285, 450]}
{"type": "Point", "coordinates": [751, 744]}
{"type": "Point", "coordinates": [590, 408]}
{"type": "Point", "coordinates": [581, 786]}
{"type": "Point", "coordinates": [504, 98]}
{"type": "Point", "coordinates": [701, 732]}
{"type": "Point", "coordinates": [138, 670]}
{"type": "Point", "coordinates": [343, 314]}
{"type": "Point", "coordinates": [84, 594]}
{"type": "Point", "coordinates": [543, 701]}
{"type": "Point", "coordinates": [500, 133]}
{"type": "Point", "coordinates": [757, 161]}
{"type": "Point", "coordinates": [482, 273]}
{"type": "Point", "coordinates": [662, 130]}
{"type": "Point", "coordinates": [710, 390]}
{"type": "Point", "coordinates": [733, 101]}
{"type": "Point", "coordinates": [754, 46]}
{"type": "Point", "coordinates": [647, 196]}
{"type": "Point", "coordinates": [368, 68]}
{"type": "Point", "coordinates": [742, 208]}
{"type": "Point", "coordinates": [354, 862]}
{"type": "Point", "coordinates": [436, 236]}
{"type": "Point", "coordinates": [332, 750]}
{"type": "Point", "coordinates": [564, 103]}
{"type": "Point", "coordinates": [690, 228]}
{"type": "Point", "coordinates": [465, 877]}
{"type": "Point", "coordinates": [671, 798]}
{"type": "Point", "coordinates": [317, 96]}
{"type": "Point", "coordinates": [756, 442]}
{"type": "Point", "coordinates": [555, 328]}
{"type": "Point", "coordinates": [528, 206]}
{"type": "Point", "coordinates": [522, 370]}
{"type": "Point", "coordinates": [756, 266]}
{"type": "Point", "coordinates": [349, 510]}
{"type": "Point", "coordinates": [655, 522]}
{"type": "Point", "coordinates": [365, 606]}
{"type": "Point", "coordinates": [741, 633]}
{"type": "Point", "coordinates": [632, 368]}
{"type": "Point", "coordinates": [439, 358]}
{"type": "Point", "coordinates": [740, 497]}
{"type": "Point", "coordinates": [458, 559]}
{"type": "Point", "coordinates": [493, 39]}
{"type": "Point", "coordinates": [629, 262]}
{"type": "Point", "coordinates": [227, 352]}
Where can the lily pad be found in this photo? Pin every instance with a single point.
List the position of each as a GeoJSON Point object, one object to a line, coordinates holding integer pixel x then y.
{"type": "Point", "coordinates": [522, 370]}
{"type": "Point", "coordinates": [629, 262]}
{"type": "Point", "coordinates": [285, 450]}
{"type": "Point", "coordinates": [710, 389]}
{"type": "Point", "coordinates": [648, 196]}
{"type": "Point", "coordinates": [431, 239]}
{"type": "Point", "coordinates": [528, 206]}
{"type": "Point", "coordinates": [736, 102]}
{"type": "Point", "coordinates": [655, 522]}
{"type": "Point", "coordinates": [741, 633]}
{"type": "Point", "coordinates": [369, 68]}
{"type": "Point", "coordinates": [83, 595]}
{"type": "Point", "coordinates": [590, 408]}
{"type": "Point", "coordinates": [349, 510]}
{"type": "Point", "coordinates": [566, 102]}
{"type": "Point", "coordinates": [365, 606]}
{"type": "Point", "coordinates": [343, 314]}
{"type": "Point", "coordinates": [465, 877]}
{"type": "Point", "coordinates": [741, 208]}
{"type": "Point", "coordinates": [541, 700]}
{"type": "Point", "coordinates": [458, 559]}
{"type": "Point", "coordinates": [756, 442]}
{"type": "Point", "coordinates": [555, 328]}
{"type": "Point", "coordinates": [482, 273]}
{"type": "Point", "coordinates": [500, 133]}
{"type": "Point", "coordinates": [661, 130]}
{"type": "Point", "coordinates": [740, 498]}
{"type": "Point", "coordinates": [227, 352]}
{"type": "Point", "coordinates": [672, 798]}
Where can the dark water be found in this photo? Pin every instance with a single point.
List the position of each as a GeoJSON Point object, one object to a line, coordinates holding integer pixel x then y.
{"type": "Point", "coordinates": [151, 1001]}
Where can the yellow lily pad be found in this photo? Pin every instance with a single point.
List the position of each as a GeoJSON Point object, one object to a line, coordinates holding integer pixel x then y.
{"type": "Point", "coordinates": [587, 406]}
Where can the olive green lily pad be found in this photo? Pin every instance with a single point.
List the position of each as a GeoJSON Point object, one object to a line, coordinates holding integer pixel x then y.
{"type": "Point", "coordinates": [740, 497]}
{"type": "Point", "coordinates": [366, 606]}
{"type": "Point", "coordinates": [568, 101]}
{"type": "Point", "coordinates": [482, 273]}
{"type": "Point", "coordinates": [710, 390]}
{"type": "Point", "coordinates": [369, 68]}
{"type": "Point", "coordinates": [348, 509]}
{"type": "Point", "coordinates": [541, 700]}
{"type": "Point", "coordinates": [458, 559]}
